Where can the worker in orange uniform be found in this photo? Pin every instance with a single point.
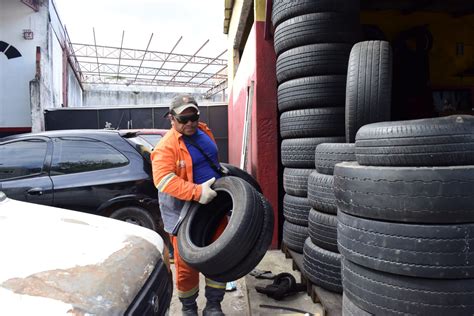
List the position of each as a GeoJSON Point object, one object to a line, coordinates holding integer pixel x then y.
{"type": "Point", "coordinates": [182, 172]}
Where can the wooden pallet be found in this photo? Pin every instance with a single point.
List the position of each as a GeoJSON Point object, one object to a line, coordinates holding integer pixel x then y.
{"type": "Point", "coordinates": [331, 302]}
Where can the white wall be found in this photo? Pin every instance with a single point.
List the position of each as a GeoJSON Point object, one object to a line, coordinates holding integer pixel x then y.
{"type": "Point", "coordinates": [22, 96]}
{"type": "Point", "coordinates": [57, 71]}
{"type": "Point", "coordinates": [74, 90]}
{"type": "Point", "coordinates": [15, 74]}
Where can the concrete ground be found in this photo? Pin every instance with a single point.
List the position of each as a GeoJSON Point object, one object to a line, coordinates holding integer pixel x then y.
{"type": "Point", "coordinates": [246, 301]}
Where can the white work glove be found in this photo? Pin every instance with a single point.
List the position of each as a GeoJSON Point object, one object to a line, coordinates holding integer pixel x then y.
{"type": "Point", "coordinates": [207, 194]}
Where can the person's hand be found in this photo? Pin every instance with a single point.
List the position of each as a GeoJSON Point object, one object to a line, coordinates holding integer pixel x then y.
{"type": "Point", "coordinates": [207, 194]}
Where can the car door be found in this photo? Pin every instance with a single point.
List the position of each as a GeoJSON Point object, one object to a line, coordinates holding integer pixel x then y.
{"type": "Point", "coordinates": [24, 165]}
{"type": "Point", "coordinates": [87, 172]}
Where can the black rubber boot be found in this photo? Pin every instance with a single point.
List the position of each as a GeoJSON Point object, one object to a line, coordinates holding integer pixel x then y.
{"type": "Point", "coordinates": [214, 298]}
{"type": "Point", "coordinates": [189, 306]}
{"type": "Point", "coordinates": [212, 309]}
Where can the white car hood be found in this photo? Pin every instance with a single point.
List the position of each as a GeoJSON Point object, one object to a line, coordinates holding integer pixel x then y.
{"type": "Point", "coordinates": [61, 262]}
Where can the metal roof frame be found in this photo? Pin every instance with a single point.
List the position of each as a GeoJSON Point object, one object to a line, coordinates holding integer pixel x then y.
{"type": "Point", "coordinates": [100, 64]}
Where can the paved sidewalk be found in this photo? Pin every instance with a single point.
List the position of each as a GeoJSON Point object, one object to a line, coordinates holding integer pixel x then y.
{"type": "Point", "coordinates": [246, 301]}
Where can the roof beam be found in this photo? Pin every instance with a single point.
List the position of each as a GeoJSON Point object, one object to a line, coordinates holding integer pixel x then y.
{"type": "Point", "coordinates": [111, 52]}
{"type": "Point", "coordinates": [199, 49]}
{"type": "Point", "coordinates": [144, 54]}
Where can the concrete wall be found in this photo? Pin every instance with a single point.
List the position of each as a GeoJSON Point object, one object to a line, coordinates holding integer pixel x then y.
{"type": "Point", "coordinates": [104, 95]}
{"type": "Point", "coordinates": [56, 57]}
{"type": "Point", "coordinates": [74, 89]}
{"type": "Point", "coordinates": [25, 89]}
{"type": "Point", "coordinates": [15, 74]}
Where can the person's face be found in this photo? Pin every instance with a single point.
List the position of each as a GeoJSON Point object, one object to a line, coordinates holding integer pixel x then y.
{"type": "Point", "coordinates": [184, 123]}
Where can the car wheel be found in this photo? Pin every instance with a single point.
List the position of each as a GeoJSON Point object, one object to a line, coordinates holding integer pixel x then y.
{"type": "Point", "coordinates": [135, 215]}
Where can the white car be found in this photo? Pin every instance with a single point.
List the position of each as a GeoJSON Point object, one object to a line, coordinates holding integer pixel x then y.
{"type": "Point", "coordinates": [61, 262]}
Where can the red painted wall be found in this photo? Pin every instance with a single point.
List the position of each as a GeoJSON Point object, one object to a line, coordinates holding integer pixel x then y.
{"type": "Point", "coordinates": [263, 153]}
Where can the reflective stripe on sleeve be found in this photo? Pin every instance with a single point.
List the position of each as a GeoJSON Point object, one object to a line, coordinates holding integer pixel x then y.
{"type": "Point", "coordinates": [164, 182]}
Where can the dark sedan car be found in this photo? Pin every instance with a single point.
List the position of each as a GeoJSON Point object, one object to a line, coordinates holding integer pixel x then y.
{"type": "Point", "coordinates": [101, 172]}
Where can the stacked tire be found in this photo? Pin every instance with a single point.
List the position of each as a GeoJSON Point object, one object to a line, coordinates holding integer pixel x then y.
{"type": "Point", "coordinates": [312, 40]}
{"type": "Point", "coordinates": [321, 258]}
{"type": "Point", "coordinates": [406, 218]}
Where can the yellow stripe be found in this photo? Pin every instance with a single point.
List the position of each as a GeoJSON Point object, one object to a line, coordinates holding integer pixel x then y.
{"type": "Point", "coordinates": [164, 182]}
{"type": "Point", "coordinates": [186, 294]}
{"type": "Point", "coordinates": [260, 10]}
{"type": "Point", "coordinates": [214, 284]}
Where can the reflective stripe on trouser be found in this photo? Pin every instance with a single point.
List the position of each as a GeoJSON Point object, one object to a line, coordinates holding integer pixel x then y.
{"type": "Point", "coordinates": [187, 278]}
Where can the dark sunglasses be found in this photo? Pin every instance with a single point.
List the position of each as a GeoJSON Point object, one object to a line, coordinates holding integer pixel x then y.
{"type": "Point", "coordinates": [183, 119]}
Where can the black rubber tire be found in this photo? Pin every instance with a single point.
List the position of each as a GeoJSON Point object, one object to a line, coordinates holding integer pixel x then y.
{"type": "Point", "coordinates": [441, 195]}
{"type": "Point", "coordinates": [369, 86]}
{"type": "Point", "coordinates": [323, 230]}
{"type": "Point", "coordinates": [294, 236]}
{"type": "Point", "coordinates": [313, 60]}
{"type": "Point", "coordinates": [328, 155]}
{"type": "Point", "coordinates": [312, 123]}
{"type": "Point", "coordinates": [351, 309]}
{"type": "Point", "coordinates": [443, 141]}
{"type": "Point", "coordinates": [322, 267]}
{"type": "Point", "coordinates": [425, 251]}
{"type": "Point", "coordinates": [381, 293]}
{"type": "Point", "coordinates": [299, 152]}
{"type": "Point", "coordinates": [283, 10]}
{"type": "Point", "coordinates": [295, 181]}
{"type": "Point", "coordinates": [242, 174]}
{"type": "Point", "coordinates": [321, 192]}
{"type": "Point", "coordinates": [135, 215]}
{"type": "Point", "coordinates": [314, 28]}
{"type": "Point", "coordinates": [241, 233]}
{"type": "Point", "coordinates": [257, 252]}
{"type": "Point", "coordinates": [296, 209]}
{"type": "Point", "coordinates": [312, 92]}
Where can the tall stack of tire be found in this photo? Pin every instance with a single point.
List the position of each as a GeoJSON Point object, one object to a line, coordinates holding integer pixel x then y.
{"type": "Point", "coordinates": [406, 218]}
{"type": "Point", "coordinates": [312, 40]}
{"type": "Point", "coordinates": [321, 258]}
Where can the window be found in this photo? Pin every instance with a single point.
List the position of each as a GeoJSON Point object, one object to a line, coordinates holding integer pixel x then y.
{"type": "Point", "coordinates": [152, 139]}
{"type": "Point", "coordinates": [22, 158]}
{"type": "Point", "coordinates": [73, 155]}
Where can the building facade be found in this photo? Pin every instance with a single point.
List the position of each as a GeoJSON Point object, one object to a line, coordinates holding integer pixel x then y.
{"type": "Point", "coordinates": [36, 71]}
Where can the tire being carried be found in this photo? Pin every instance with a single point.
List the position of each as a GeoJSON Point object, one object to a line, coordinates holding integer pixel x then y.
{"type": "Point", "coordinates": [244, 175]}
{"type": "Point", "coordinates": [256, 254]}
{"type": "Point", "coordinates": [243, 229]}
